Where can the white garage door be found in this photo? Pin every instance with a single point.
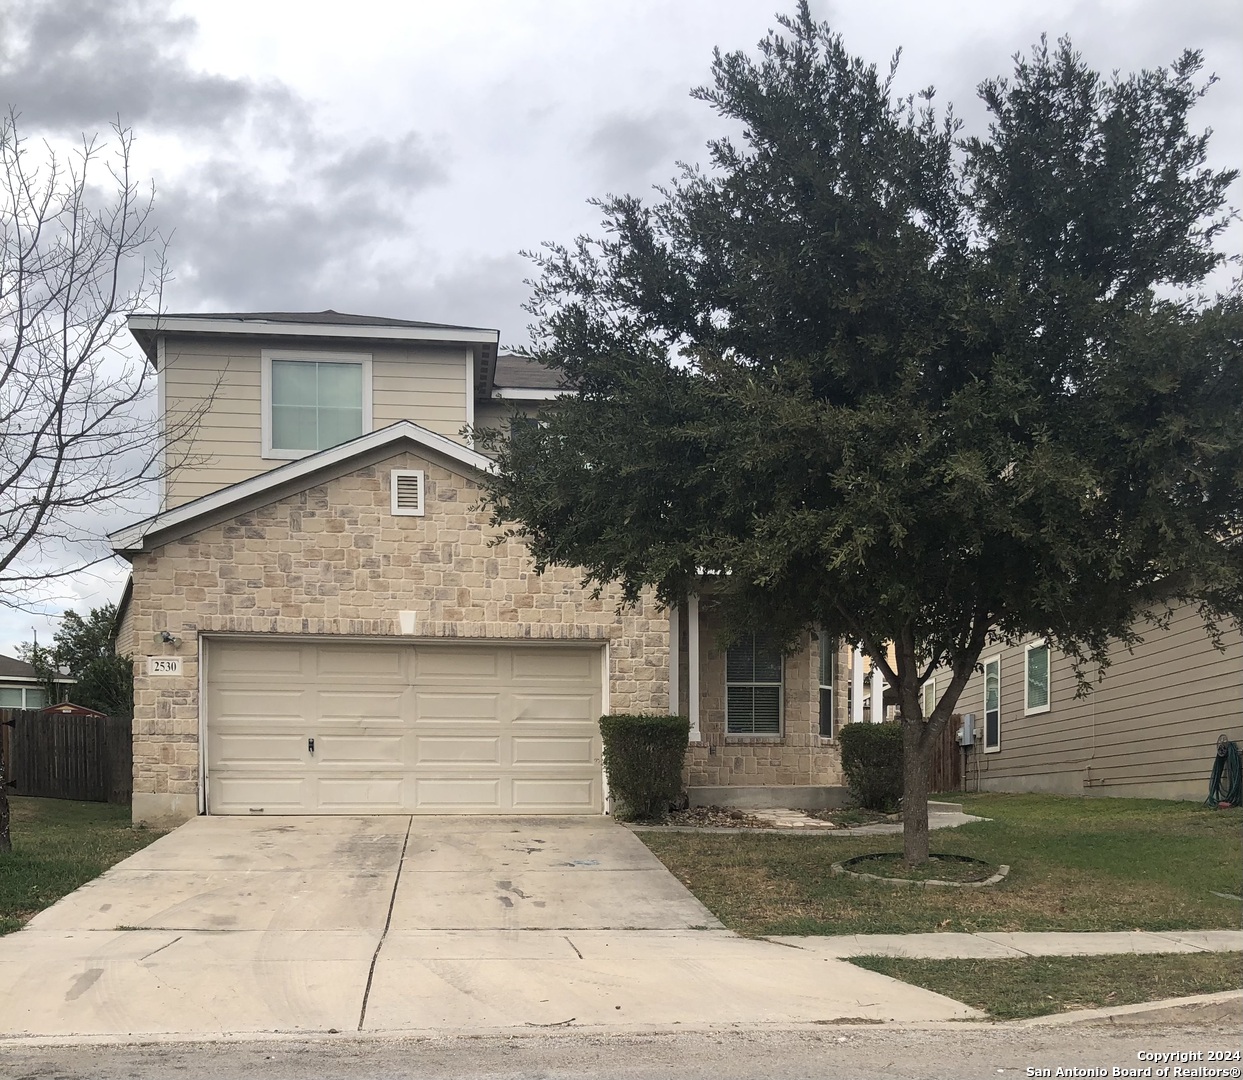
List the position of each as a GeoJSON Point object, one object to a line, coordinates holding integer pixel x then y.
{"type": "Point", "coordinates": [339, 728]}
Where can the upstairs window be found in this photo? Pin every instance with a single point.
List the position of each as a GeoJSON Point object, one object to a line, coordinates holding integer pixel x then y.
{"type": "Point", "coordinates": [753, 688]}
{"type": "Point", "coordinates": [313, 401]}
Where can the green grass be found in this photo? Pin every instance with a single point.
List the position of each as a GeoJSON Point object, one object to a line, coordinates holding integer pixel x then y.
{"type": "Point", "coordinates": [1037, 986]}
{"type": "Point", "coordinates": [1076, 864]}
{"type": "Point", "coordinates": [57, 846]}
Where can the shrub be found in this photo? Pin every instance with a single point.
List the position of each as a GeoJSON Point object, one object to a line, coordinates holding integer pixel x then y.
{"type": "Point", "coordinates": [872, 762]}
{"type": "Point", "coordinates": [643, 757]}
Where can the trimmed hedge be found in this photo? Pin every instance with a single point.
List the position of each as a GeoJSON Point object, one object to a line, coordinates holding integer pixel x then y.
{"type": "Point", "coordinates": [872, 762]}
{"type": "Point", "coordinates": [643, 757]}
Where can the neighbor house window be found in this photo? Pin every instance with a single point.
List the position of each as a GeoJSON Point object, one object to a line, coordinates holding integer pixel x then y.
{"type": "Point", "coordinates": [753, 688]}
{"type": "Point", "coordinates": [17, 697]}
{"type": "Point", "coordinates": [1036, 678]}
{"type": "Point", "coordinates": [992, 704]}
{"type": "Point", "coordinates": [314, 401]}
{"type": "Point", "coordinates": [930, 697]}
{"type": "Point", "coordinates": [828, 660]}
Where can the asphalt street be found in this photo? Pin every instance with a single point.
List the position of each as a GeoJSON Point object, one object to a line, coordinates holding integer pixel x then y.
{"type": "Point", "coordinates": [947, 1052]}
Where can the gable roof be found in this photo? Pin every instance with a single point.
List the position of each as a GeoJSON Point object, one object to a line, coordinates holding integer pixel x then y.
{"type": "Point", "coordinates": [333, 461]}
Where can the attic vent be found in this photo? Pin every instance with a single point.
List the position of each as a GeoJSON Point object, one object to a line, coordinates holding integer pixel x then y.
{"type": "Point", "coordinates": [408, 492]}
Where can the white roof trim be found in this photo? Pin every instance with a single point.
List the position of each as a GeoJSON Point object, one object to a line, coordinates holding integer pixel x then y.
{"type": "Point", "coordinates": [157, 324]}
{"type": "Point", "coordinates": [133, 536]}
{"type": "Point", "coordinates": [518, 393]}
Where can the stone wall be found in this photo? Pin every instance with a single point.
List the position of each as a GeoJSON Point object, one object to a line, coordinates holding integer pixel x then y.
{"type": "Point", "coordinates": [798, 756]}
{"type": "Point", "coordinates": [333, 560]}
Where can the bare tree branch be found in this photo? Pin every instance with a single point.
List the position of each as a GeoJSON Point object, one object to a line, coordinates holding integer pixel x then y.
{"type": "Point", "coordinates": [78, 428]}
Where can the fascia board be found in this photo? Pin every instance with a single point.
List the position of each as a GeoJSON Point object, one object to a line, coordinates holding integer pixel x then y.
{"type": "Point", "coordinates": [246, 327]}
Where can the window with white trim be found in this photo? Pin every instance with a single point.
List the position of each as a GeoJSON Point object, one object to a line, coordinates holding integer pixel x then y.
{"type": "Point", "coordinates": [828, 660]}
{"type": "Point", "coordinates": [22, 697]}
{"type": "Point", "coordinates": [992, 705]}
{"type": "Point", "coordinates": [753, 687]}
{"type": "Point", "coordinates": [313, 401]}
{"type": "Point", "coordinates": [1036, 677]}
{"type": "Point", "coordinates": [929, 701]}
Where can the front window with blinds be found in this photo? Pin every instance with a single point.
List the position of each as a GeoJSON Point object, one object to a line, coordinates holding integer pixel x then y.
{"type": "Point", "coordinates": [828, 658]}
{"type": "Point", "coordinates": [753, 688]}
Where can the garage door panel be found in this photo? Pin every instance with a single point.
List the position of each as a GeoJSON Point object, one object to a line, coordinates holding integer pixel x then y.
{"type": "Point", "coordinates": [457, 794]}
{"type": "Point", "coordinates": [367, 747]}
{"type": "Point", "coordinates": [544, 794]}
{"type": "Point", "coordinates": [433, 707]}
{"type": "Point", "coordinates": [450, 660]}
{"type": "Point", "coordinates": [246, 748]}
{"type": "Point", "coordinates": [266, 793]}
{"type": "Point", "coordinates": [242, 704]}
{"type": "Point", "coordinates": [464, 728]}
{"type": "Point", "coordinates": [440, 750]}
{"type": "Point", "coordinates": [350, 661]}
{"type": "Point", "coordinates": [360, 794]}
{"type": "Point", "coordinates": [557, 664]}
{"type": "Point", "coordinates": [535, 708]}
{"type": "Point", "coordinates": [548, 750]}
{"type": "Point", "coordinates": [337, 705]}
{"type": "Point", "coordinates": [236, 658]}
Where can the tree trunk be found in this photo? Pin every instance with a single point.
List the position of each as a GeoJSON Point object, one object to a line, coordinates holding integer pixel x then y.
{"type": "Point", "coordinates": [916, 760]}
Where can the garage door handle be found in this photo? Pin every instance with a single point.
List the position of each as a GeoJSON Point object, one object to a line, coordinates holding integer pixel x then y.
{"type": "Point", "coordinates": [310, 746]}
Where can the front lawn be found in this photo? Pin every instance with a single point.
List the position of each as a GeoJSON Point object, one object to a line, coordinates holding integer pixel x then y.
{"type": "Point", "coordinates": [1076, 864]}
{"type": "Point", "coordinates": [1039, 985]}
{"type": "Point", "coordinates": [57, 846]}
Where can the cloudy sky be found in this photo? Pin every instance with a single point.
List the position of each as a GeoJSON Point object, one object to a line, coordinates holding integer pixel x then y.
{"type": "Point", "coordinates": [394, 158]}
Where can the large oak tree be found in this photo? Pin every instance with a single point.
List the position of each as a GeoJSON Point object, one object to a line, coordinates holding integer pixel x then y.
{"type": "Point", "coordinates": [867, 374]}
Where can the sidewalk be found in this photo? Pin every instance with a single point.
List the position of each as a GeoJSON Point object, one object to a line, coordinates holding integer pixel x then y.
{"type": "Point", "coordinates": [1008, 946]}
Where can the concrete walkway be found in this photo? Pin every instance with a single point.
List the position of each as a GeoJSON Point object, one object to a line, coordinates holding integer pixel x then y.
{"type": "Point", "coordinates": [1005, 946]}
{"type": "Point", "coordinates": [941, 815]}
{"type": "Point", "coordinates": [306, 925]}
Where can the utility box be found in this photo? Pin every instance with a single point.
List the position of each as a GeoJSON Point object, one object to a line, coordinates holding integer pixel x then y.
{"type": "Point", "coordinates": [966, 733]}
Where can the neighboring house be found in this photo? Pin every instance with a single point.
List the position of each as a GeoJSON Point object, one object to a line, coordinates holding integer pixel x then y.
{"type": "Point", "coordinates": [1148, 729]}
{"type": "Point", "coordinates": [68, 708]}
{"type": "Point", "coordinates": [323, 621]}
{"type": "Point", "coordinates": [21, 687]}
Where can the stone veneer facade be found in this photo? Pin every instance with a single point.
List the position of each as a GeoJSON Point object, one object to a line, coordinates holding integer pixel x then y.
{"type": "Point", "coordinates": [798, 756]}
{"type": "Point", "coordinates": [332, 560]}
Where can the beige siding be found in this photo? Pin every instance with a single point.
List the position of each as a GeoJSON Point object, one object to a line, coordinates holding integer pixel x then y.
{"type": "Point", "coordinates": [426, 385]}
{"type": "Point", "coordinates": [1149, 728]}
{"type": "Point", "coordinates": [125, 633]}
{"type": "Point", "coordinates": [496, 414]}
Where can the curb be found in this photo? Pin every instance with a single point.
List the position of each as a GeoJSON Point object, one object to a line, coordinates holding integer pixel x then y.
{"type": "Point", "coordinates": [1197, 1009]}
{"type": "Point", "coordinates": [839, 870]}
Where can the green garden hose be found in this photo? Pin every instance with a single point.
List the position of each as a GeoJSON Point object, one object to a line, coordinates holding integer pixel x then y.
{"type": "Point", "coordinates": [1225, 786]}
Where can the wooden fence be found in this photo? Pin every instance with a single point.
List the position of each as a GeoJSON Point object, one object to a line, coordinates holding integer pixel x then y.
{"type": "Point", "coordinates": [68, 757]}
{"type": "Point", "coordinates": [946, 772]}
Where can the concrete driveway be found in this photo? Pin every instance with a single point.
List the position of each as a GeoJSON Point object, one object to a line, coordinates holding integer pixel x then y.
{"type": "Point", "coordinates": [240, 925]}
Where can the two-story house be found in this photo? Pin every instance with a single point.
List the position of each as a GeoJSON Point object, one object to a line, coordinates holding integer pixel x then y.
{"type": "Point", "coordinates": [323, 621]}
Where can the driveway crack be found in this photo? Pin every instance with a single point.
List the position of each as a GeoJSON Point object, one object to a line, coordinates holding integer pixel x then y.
{"type": "Point", "coordinates": [401, 864]}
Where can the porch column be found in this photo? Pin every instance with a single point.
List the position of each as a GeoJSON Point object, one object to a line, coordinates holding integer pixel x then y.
{"type": "Point", "coordinates": [856, 685]}
{"type": "Point", "coordinates": [692, 662]}
{"type": "Point", "coordinates": [675, 668]}
{"type": "Point", "coordinates": [878, 695]}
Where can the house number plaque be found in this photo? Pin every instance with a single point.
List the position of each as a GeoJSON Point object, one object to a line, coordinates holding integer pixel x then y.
{"type": "Point", "coordinates": [163, 665]}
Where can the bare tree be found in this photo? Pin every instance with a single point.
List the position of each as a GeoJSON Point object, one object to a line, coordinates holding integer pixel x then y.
{"type": "Point", "coordinates": [79, 431]}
